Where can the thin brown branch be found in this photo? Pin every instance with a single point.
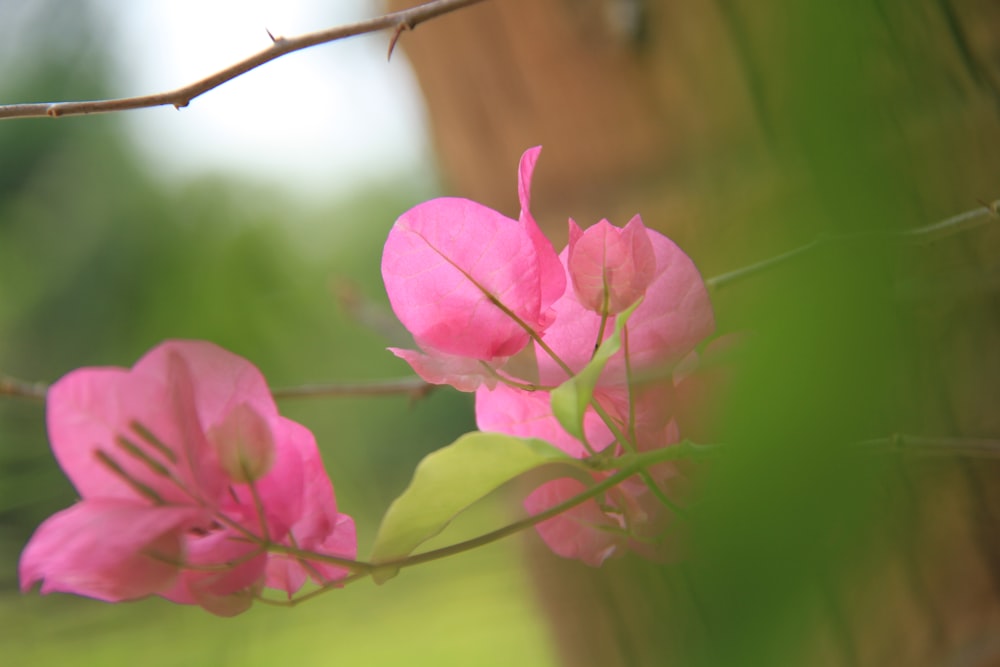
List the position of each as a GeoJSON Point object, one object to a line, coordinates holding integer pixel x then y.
{"type": "Point", "coordinates": [13, 387]}
{"type": "Point", "coordinates": [919, 445]}
{"type": "Point", "coordinates": [412, 386]}
{"type": "Point", "coordinates": [406, 19]}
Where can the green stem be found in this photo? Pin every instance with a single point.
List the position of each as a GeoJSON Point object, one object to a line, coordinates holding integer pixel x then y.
{"type": "Point", "coordinates": [516, 527]}
{"type": "Point", "coordinates": [612, 425]}
{"type": "Point", "coordinates": [600, 330]}
{"type": "Point", "coordinates": [628, 385]}
{"type": "Point", "coordinates": [258, 504]}
{"type": "Point", "coordinates": [934, 446]}
{"type": "Point", "coordinates": [356, 566]}
{"type": "Point", "coordinates": [510, 382]}
{"type": "Point", "coordinates": [926, 234]}
{"type": "Point", "coordinates": [305, 597]}
{"type": "Point", "coordinates": [628, 465]}
{"type": "Point", "coordinates": [605, 306]}
{"type": "Point", "coordinates": [633, 463]}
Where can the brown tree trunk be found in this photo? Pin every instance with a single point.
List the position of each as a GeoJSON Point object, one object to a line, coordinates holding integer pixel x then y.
{"type": "Point", "coordinates": [742, 130]}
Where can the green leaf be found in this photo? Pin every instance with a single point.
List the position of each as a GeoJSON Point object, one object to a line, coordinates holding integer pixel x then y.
{"type": "Point", "coordinates": [450, 480]}
{"type": "Point", "coordinates": [571, 398]}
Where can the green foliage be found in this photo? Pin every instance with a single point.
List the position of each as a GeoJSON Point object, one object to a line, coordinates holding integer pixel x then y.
{"type": "Point", "coordinates": [450, 480]}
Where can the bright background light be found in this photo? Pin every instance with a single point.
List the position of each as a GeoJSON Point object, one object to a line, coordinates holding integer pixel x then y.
{"type": "Point", "coordinates": [318, 122]}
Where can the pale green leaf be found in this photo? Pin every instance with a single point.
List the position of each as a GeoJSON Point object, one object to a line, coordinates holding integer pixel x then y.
{"type": "Point", "coordinates": [450, 480]}
{"type": "Point", "coordinates": [571, 398]}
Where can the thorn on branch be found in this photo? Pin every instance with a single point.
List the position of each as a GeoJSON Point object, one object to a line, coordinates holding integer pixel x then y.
{"type": "Point", "coordinates": [274, 40]}
{"type": "Point", "coordinates": [993, 207]}
{"type": "Point", "coordinates": [403, 25]}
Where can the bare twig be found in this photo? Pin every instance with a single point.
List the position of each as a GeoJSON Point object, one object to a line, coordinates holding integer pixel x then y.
{"type": "Point", "coordinates": [919, 445]}
{"type": "Point", "coordinates": [13, 387]}
{"type": "Point", "coordinates": [413, 386]}
{"type": "Point", "coordinates": [406, 19]}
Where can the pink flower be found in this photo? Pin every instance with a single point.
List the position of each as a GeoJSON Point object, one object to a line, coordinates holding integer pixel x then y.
{"type": "Point", "coordinates": [610, 267]}
{"type": "Point", "coordinates": [474, 288]}
{"type": "Point", "coordinates": [674, 316]}
{"type": "Point", "coordinates": [185, 471]}
{"type": "Point", "coordinates": [468, 282]}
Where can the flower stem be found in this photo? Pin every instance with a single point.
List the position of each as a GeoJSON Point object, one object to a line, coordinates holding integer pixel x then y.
{"type": "Point", "coordinates": [637, 463]}
{"type": "Point", "coordinates": [600, 332]}
{"type": "Point", "coordinates": [954, 225]}
{"type": "Point", "coordinates": [352, 565]}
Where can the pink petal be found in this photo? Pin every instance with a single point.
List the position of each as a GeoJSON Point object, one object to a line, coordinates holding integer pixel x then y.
{"type": "Point", "coordinates": [316, 502]}
{"type": "Point", "coordinates": [654, 408]}
{"type": "Point", "coordinates": [85, 411]}
{"type": "Point", "coordinates": [610, 267]}
{"type": "Point", "coordinates": [90, 410]}
{"type": "Point", "coordinates": [226, 605]}
{"type": "Point", "coordinates": [462, 373]}
{"type": "Point", "coordinates": [444, 264]}
{"type": "Point", "coordinates": [528, 414]}
{"type": "Point", "coordinates": [317, 527]}
{"type": "Point", "coordinates": [223, 571]}
{"type": "Point", "coordinates": [111, 550]}
{"type": "Point", "coordinates": [222, 379]}
{"type": "Point", "coordinates": [288, 573]}
{"type": "Point", "coordinates": [342, 541]}
{"type": "Point", "coordinates": [583, 532]}
{"type": "Point", "coordinates": [205, 384]}
{"type": "Point", "coordinates": [525, 172]}
{"type": "Point", "coordinates": [552, 276]}
{"type": "Point", "coordinates": [676, 314]}
{"type": "Point", "coordinates": [674, 317]}
{"type": "Point", "coordinates": [198, 463]}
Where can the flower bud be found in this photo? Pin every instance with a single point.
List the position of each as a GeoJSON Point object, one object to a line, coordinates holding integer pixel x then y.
{"type": "Point", "coordinates": [610, 267]}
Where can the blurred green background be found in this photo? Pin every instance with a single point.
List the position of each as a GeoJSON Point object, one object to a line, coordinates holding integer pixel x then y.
{"type": "Point", "coordinates": [741, 130]}
{"type": "Point", "coordinates": [100, 261]}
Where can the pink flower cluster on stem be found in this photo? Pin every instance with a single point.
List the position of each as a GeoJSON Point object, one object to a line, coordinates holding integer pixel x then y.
{"type": "Point", "coordinates": [192, 487]}
{"type": "Point", "coordinates": [495, 310]}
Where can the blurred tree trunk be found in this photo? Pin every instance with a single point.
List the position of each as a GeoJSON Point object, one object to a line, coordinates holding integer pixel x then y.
{"type": "Point", "coordinates": [742, 130]}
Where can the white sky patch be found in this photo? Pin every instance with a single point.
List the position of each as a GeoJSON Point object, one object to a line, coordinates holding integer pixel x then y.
{"type": "Point", "coordinates": [318, 122]}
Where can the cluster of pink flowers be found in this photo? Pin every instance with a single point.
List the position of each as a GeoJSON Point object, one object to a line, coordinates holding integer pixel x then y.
{"type": "Point", "coordinates": [192, 486]}
{"type": "Point", "coordinates": [495, 310]}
